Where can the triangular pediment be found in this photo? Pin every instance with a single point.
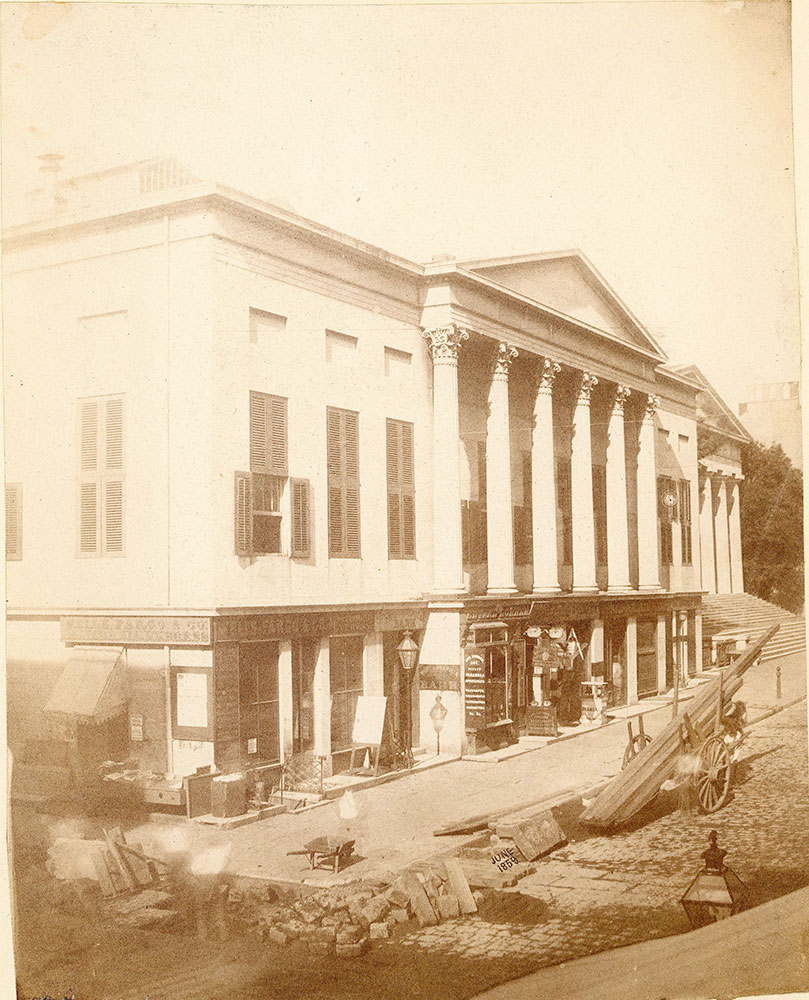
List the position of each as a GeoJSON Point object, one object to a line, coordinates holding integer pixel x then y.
{"type": "Point", "coordinates": [712, 411]}
{"type": "Point", "coordinates": [568, 283]}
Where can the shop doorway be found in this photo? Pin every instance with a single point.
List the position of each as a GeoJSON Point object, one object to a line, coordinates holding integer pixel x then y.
{"type": "Point", "coordinates": [647, 657]}
{"type": "Point", "coordinates": [506, 681]}
{"type": "Point", "coordinates": [615, 657]}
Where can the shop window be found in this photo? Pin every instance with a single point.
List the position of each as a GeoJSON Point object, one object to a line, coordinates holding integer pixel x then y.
{"type": "Point", "coordinates": [685, 521]}
{"type": "Point", "coordinates": [401, 491]}
{"type": "Point", "coordinates": [345, 672]}
{"type": "Point", "coordinates": [344, 483]}
{"type": "Point", "coordinates": [101, 476]}
{"type": "Point", "coordinates": [259, 493]}
{"type": "Point", "coordinates": [259, 729]}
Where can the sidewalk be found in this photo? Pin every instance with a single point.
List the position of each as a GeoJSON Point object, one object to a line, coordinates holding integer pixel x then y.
{"type": "Point", "coordinates": [395, 822]}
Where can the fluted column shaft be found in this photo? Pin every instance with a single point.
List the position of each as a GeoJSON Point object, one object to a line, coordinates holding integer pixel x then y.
{"type": "Point", "coordinates": [447, 540]}
{"type": "Point", "coordinates": [581, 479]}
{"type": "Point", "coordinates": [706, 538]}
{"type": "Point", "coordinates": [721, 528]}
{"type": "Point", "coordinates": [735, 528]}
{"type": "Point", "coordinates": [648, 563]}
{"type": "Point", "coordinates": [499, 520]}
{"type": "Point", "coordinates": [617, 528]}
{"type": "Point", "coordinates": [543, 485]}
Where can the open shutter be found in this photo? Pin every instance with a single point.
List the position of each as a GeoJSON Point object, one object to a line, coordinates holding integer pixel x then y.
{"type": "Point", "coordinates": [334, 463]}
{"type": "Point", "coordinates": [243, 515]}
{"type": "Point", "coordinates": [301, 518]}
{"type": "Point", "coordinates": [393, 435]}
{"type": "Point", "coordinates": [351, 444]}
{"type": "Point", "coordinates": [408, 497]}
{"type": "Point", "coordinates": [278, 435]}
{"type": "Point", "coordinates": [14, 521]}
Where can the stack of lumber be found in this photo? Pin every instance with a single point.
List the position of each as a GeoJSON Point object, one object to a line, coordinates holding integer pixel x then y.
{"type": "Point", "coordinates": [638, 784]}
{"type": "Point", "coordinates": [120, 867]}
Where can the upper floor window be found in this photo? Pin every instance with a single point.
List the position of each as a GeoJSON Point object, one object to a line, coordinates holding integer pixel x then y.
{"type": "Point", "coordinates": [600, 513]}
{"type": "Point", "coordinates": [667, 502]}
{"type": "Point", "coordinates": [13, 521]}
{"type": "Point", "coordinates": [265, 326]}
{"type": "Point", "coordinates": [259, 494]}
{"type": "Point", "coordinates": [564, 504]}
{"type": "Point", "coordinates": [101, 476]}
{"type": "Point", "coordinates": [342, 459]}
{"type": "Point", "coordinates": [685, 522]}
{"type": "Point", "coordinates": [401, 491]}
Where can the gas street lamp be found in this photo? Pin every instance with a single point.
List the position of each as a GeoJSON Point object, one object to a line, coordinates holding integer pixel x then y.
{"type": "Point", "coordinates": [716, 892]}
{"type": "Point", "coordinates": [408, 653]}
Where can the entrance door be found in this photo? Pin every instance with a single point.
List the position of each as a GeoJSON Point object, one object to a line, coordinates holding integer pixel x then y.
{"type": "Point", "coordinates": [304, 658]}
{"type": "Point", "coordinates": [647, 656]}
{"type": "Point", "coordinates": [520, 686]}
{"type": "Point", "coordinates": [497, 684]}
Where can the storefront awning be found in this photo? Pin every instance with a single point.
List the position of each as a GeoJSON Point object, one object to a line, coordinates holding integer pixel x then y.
{"type": "Point", "coordinates": [92, 686]}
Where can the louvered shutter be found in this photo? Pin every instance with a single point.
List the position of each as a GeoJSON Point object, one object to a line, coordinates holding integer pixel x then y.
{"type": "Point", "coordinates": [393, 436]}
{"type": "Point", "coordinates": [344, 485]}
{"type": "Point", "coordinates": [89, 485]}
{"type": "Point", "coordinates": [113, 477]}
{"type": "Point", "coordinates": [243, 515]}
{"type": "Point", "coordinates": [278, 435]}
{"type": "Point", "coordinates": [114, 517]}
{"type": "Point", "coordinates": [258, 433]}
{"type": "Point", "coordinates": [88, 518]}
{"type": "Point", "coordinates": [268, 434]}
{"type": "Point", "coordinates": [89, 436]}
{"type": "Point", "coordinates": [301, 518]}
{"type": "Point", "coordinates": [14, 521]}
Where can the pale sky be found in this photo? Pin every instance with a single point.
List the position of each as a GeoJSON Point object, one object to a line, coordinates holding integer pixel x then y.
{"type": "Point", "coordinates": [656, 137]}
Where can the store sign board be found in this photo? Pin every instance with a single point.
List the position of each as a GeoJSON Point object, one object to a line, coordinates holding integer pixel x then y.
{"type": "Point", "coordinates": [475, 687]}
{"type": "Point", "coordinates": [192, 700]}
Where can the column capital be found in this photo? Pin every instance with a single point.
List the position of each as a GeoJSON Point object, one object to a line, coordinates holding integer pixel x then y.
{"type": "Point", "coordinates": [503, 357]}
{"type": "Point", "coordinates": [444, 341]}
{"type": "Point", "coordinates": [621, 394]}
{"type": "Point", "coordinates": [547, 376]}
{"type": "Point", "coordinates": [588, 383]}
{"type": "Point", "coordinates": [651, 407]}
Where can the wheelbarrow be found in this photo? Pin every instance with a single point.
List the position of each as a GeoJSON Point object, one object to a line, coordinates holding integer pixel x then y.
{"type": "Point", "coordinates": [327, 852]}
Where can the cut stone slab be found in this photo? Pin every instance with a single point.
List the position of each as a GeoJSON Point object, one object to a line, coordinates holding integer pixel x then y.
{"type": "Point", "coordinates": [419, 903]}
{"type": "Point", "coordinates": [349, 935]}
{"type": "Point", "coordinates": [448, 907]}
{"type": "Point", "coordinates": [274, 936]}
{"type": "Point", "coordinates": [373, 911]}
{"type": "Point", "coordinates": [534, 837]}
{"type": "Point", "coordinates": [459, 885]}
{"type": "Point", "coordinates": [399, 914]}
{"type": "Point", "coordinates": [379, 930]}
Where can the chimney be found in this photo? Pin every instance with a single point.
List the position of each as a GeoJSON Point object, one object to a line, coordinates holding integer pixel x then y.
{"type": "Point", "coordinates": [50, 165]}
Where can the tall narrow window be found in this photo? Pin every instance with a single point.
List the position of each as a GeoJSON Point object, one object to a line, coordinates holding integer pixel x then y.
{"type": "Point", "coordinates": [564, 501]}
{"type": "Point", "coordinates": [13, 521]}
{"type": "Point", "coordinates": [101, 476]}
{"type": "Point", "coordinates": [667, 513]}
{"type": "Point", "coordinates": [401, 491]}
{"type": "Point", "coordinates": [266, 328]}
{"type": "Point", "coordinates": [685, 522]}
{"type": "Point", "coordinates": [259, 492]}
{"type": "Point", "coordinates": [600, 512]}
{"type": "Point", "coordinates": [344, 483]}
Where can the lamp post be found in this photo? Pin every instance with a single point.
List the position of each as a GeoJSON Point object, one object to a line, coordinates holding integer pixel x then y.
{"type": "Point", "coordinates": [716, 892]}
{"type": "Point", "coordinates": [438, 713]}
{"type": "Point", "coordinates": [408, 654]}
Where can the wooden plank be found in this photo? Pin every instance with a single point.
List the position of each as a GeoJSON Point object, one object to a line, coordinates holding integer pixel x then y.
{"type": "Point", "coordinates": [114, 872]}
{"type": "Point", "coordinates": [119, 860]}
{"type": "Point", "coordinates": [104, 880]}
{"type": "Point", "coordinates": [419, 903]}
{"type": "Point", "coordinates": [139, 868]}
{"type": "Point", "coordinates": [459, 886]}
{"type": "Point", "coordinates": [635, 786]}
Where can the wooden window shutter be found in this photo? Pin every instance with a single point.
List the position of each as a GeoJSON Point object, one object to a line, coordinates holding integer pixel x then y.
{"type": "Point", "coordinates": [268, 434]}
{"type": "Point", "coordinates": [89, 436]}
{"type": "Point", "coordinates": [90, 478]}
{"type": "Point", "coordinates": [344, 487]}
{"type": "Point", "coordinates": [243, 514]}
{"type": "Point", "coordinates": [88, 518]}
{"type": "Point", "coordinates": [114, 434]}
{"type": "Point", "coordinates": [114, 516]}
{"type": "Point", "coordinates": [301, 518]}
{"type": "Point", "coordinates": [13, 521]}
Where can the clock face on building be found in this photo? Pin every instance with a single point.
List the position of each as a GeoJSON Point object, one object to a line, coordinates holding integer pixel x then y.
{"type": "Point", "coordinates": [670, 499]}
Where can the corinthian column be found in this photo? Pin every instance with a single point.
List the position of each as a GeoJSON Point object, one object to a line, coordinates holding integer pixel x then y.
{"type": "Point", "coordinates": [499, 520]}
{"type": "Point", "coordinates": [447, 549]}
{"type": "Point", "coordinates": [543, 484]}
{"type": "Point", "coordinates": [722, 529]}
{"type": "Point", "coordinates": [648, 564]}
{"type": "Point", "coordinates": [581, 481]}
{"type": "Point", "coordinates": [706, 537]}
{"type": "Point", "coordinates": [617, 530]}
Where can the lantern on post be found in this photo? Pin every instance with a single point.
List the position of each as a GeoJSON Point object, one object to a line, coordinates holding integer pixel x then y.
{"type": "Point", "coordinates": [716, 892]}
{"type": "Point", "coordinates": [437, 714]}
{"type": "Point", "coordinates": [408, 653]}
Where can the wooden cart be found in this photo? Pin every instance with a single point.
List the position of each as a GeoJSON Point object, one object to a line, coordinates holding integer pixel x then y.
{"type": "Point", "coordinates": [698, 744]}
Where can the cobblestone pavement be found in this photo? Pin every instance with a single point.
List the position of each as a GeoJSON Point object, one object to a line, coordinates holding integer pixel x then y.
{"type": "Point", "coordinates": [602, 892]}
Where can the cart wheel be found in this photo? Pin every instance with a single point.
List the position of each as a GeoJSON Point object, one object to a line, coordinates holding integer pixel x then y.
{"type": "Point", "coordinates": [639, 741]}
{"type": "Point", "coordinates": [713, 774]}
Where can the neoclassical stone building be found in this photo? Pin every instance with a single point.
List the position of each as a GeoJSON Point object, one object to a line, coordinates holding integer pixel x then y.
{"type": "Point", "coordinates": [247, 454]}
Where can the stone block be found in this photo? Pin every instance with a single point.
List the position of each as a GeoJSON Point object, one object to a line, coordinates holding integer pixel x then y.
{"type": "Point", "coordinates": [399, 914]}
{"type": "Point", "coordinates": [275, 936]}
{"type": "Point", "coordinates": [373, 911]}
{"type": "Point", "coordinates": [448, 907]}
{"type": "Point", "coordinates": [397, 895]}
{"type": "Point", "coordinates": [352, 950]}
{"type": "Point", "coordinates": [379, 930]}
{"type": "Point", "coordinates": [349, 935]}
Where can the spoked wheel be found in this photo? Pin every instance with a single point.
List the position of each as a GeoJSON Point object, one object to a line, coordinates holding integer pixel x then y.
{"type": "Point", "coordinates": [713, 774]}
{"type": "Point", "coordinates": [639, 741]}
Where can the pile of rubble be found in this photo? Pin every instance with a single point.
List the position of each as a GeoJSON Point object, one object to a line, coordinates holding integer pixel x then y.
{"type": "Point", "coordinates": [345, 920]}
